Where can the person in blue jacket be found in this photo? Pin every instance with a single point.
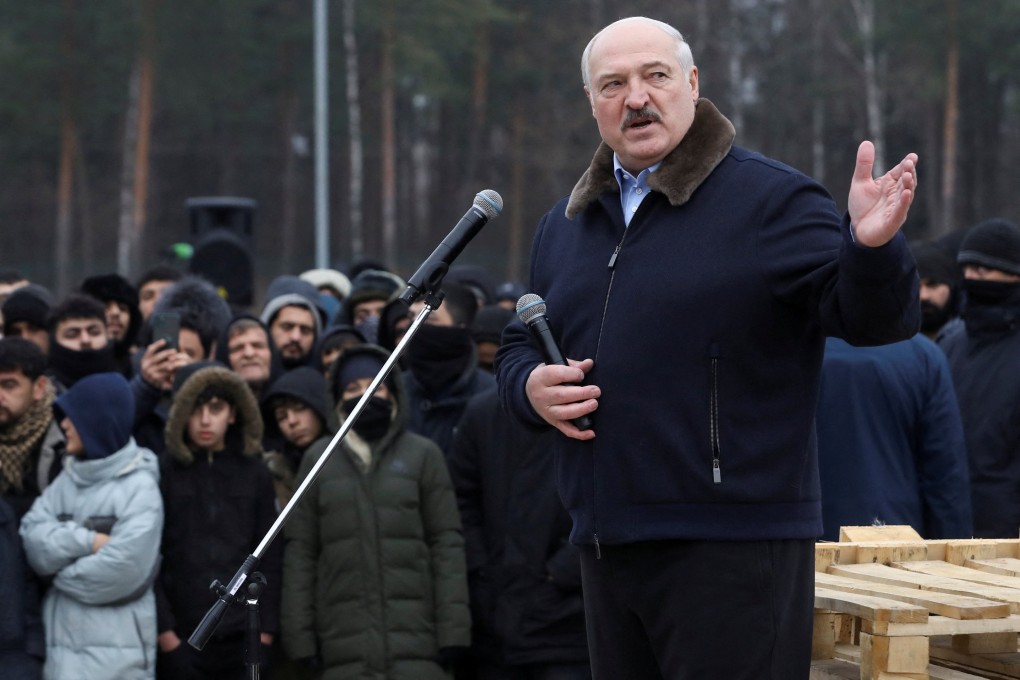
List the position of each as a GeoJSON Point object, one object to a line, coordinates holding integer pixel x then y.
{"type": "Point", "coordinates": [695, 497]}
{"type": "Point", "coordinates": [890, 440]}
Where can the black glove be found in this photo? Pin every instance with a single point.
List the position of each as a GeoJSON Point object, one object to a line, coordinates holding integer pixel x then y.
{"type": "Point", "coordinates": [448, 656]}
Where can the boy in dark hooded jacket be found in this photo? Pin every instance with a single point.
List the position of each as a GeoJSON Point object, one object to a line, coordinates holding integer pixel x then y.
{"type": "Point", "coordinates": [374, 575]}
{"type": "Point", "coordinates": [295, 414]}
{"type": "Point", "coordinates": [219, 505]}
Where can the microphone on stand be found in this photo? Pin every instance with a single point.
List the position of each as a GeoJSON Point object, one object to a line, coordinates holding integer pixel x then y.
{"type": "Point", "coordinates": [487, 205]}
{"type": "Point", "coordinates": [531, 310]}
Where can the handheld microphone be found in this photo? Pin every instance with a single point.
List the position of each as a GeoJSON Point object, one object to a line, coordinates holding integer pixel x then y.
{"type": "Point", "coordinates": [531, 310]}
{"type": "Point", "coordinates": [487, 205]}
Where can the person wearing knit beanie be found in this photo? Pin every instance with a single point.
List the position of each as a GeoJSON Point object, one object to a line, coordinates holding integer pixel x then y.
{"type": "Point", "coordinates": [370, 290]}
{"type": "Point", "coordinates": [991, 251]}
{"type": "Point", "coordinates": [25, 313]}
{"type": "Point", "coordinates": [982, 353]}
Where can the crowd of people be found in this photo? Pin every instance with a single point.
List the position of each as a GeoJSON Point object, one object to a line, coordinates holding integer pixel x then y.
{"type": "Point", "coordinates": [140, 463]}
{"type": "Point", "coordinates": [150, 434]}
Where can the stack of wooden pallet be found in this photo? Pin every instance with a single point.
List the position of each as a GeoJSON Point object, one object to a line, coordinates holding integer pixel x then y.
{"type": "Point", "coordinates": [890, 605]}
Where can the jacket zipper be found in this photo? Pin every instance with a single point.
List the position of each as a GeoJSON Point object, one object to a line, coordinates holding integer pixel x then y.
{"type": "Point", "coordinates": [713, 417]}
{"type": "Point", "coordinates": [598, 345]}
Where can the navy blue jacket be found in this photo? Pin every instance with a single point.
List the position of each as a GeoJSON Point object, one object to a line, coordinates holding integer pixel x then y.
{"type": "Point", "coordinates": [983, 360]}
{"type": "Point", "coordinates": [706, 319]}
{"type": "Point", "coordinates": [890, 440]}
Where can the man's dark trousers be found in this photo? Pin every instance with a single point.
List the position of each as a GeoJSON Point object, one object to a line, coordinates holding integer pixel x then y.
{"type": "Point", "coordinates": [704, 610]}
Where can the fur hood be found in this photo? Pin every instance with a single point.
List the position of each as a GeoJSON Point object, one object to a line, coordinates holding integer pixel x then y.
{"type": "Point", "coordinates": [682, 170]}
{"type": "Point", "coordinates": [193, 296]}
{"type": "Point", "coordinates": [248, 423]}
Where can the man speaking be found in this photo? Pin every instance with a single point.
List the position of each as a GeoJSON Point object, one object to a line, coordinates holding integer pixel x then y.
{"type": "Point", "coordinates": [695, 495]}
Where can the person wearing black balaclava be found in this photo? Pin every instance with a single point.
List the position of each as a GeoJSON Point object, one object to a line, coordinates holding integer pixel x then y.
{"type": "Point", "coordinates": [442, 367]}
{"type": "Point", "coordinates": [79, 344]}
{"type": "Point", "coordinates": [374, 582]}
{"type": "Point", "coordinates": [982, 355]}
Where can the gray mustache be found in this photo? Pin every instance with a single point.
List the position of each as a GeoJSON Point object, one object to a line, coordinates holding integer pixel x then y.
{"type": "Point", "coordinates": [644, 113]}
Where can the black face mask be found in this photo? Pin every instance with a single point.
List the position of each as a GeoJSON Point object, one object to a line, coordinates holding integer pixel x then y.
{"type": "Point", "coordinates": [439, 355]}
{"type": "Point", "coordinates": [374, 421]}
{"type": "Point", "coordinates": [990, 293]}
{"type": "Point", "coordinates": [69, 365]}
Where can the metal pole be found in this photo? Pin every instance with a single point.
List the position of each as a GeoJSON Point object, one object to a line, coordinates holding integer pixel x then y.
{"type": "Point", "coordinates": [321, 137]}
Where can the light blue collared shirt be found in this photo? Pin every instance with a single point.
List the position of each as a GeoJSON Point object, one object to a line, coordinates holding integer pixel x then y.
{"type": "Point", "coordinates": [632, 190]}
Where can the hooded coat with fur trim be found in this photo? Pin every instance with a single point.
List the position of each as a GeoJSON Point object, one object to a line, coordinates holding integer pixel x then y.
{"type": "Point", "coordinates": [706, 319]}
{"type": "Point", "coordinates": [219, 506]}
{"type": "Point", "coordinates": [374, 575]}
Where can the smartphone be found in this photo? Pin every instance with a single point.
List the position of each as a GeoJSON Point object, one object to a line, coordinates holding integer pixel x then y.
{"type": "Point", "coordinates": [166, 326]}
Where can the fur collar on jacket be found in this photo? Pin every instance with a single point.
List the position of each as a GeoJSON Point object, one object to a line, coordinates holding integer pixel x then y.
{"type": "Point", "coordinates": [247, 410]}
{"type": "Point", "coordinates": [682, 170]}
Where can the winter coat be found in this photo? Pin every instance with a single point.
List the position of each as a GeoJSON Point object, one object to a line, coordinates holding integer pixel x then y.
{"type": "Point", "coordinates": [218, 509]}
{"type": "Point", "coordinates": [436, 415]}
{"type": "Point", "coordinates": [524, 575]}
{"type": "Point", "coordinates": [22, 647]}
{"type": "Point", "coordinates": [983, 359]}
{"type": "Point", "coordinates": [283, 458]}
{"type": "Point", "coordinates": [890, 440]}
{"type": "Point", "coordinates": [374, 577]}
{"type": "Point", "coordinates": [45, 464]}
{"type": "Point", "coordinates": [706, 319]}
{"type": "Point", "coordinates": [100, 613]}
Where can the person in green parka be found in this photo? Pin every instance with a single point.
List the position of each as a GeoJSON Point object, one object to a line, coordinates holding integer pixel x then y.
{"type": "Point", "coordinates": [374, 582]}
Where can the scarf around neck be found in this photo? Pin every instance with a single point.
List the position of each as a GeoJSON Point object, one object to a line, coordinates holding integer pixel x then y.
{"type": "Point", "coordinates": [20, 438]}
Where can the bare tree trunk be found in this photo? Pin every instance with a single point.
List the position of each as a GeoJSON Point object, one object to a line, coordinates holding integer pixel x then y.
{"type": "Point", "coordinates": [288, 130]}
{"type": "Point", "coordinates": [702, 21]}
{"type": "Point", "coordinates": [518, 172]}
{"type": "Point", "coordinates": [388, 136]}
{"type": "Point", "coordinates": [355, 142]}
{"type": "Point", "coordinates": [125, 234]}
{"type": "Point", "coordinates": [65, 193]}
{"type": "Point", "coordinates": [736, 67]}
{"type": "Point", "coordinates": [479, 105]}
{"type": "Point", "coordinates": [931, 191]}
{"type": "Point", "coordinates": [137, 138]}
{"type": "Point", "coordinates": [423, 169]}
{"type": "Point", "coordinates": [873, 92]}
{"type": "Point", "coordinates": [83, 204]}
{"type": "Point", "coordinates": [818, 101]}
{"type": "Point", "coordinates": [68, 150]}
{"type": "Point", "coordinates": [950, 135]}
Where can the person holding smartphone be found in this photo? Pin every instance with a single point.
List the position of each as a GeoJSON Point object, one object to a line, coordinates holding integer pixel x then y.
{"type": "Point", "coordinates": [182, 329]}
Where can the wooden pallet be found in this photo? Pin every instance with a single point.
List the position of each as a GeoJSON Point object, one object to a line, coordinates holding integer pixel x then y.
{"type": "Point", "coordinates": [892, 605]}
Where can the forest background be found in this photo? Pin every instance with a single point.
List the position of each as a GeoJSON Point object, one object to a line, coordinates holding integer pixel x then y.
{"type": "Point", "coordinates": [114, 112]}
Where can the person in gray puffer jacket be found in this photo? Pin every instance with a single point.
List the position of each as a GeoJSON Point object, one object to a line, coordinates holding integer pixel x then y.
{"type": "Point", "coordinates": [96, 531]}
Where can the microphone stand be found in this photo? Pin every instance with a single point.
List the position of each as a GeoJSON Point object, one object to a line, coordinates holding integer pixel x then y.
{"type": "Point", "coordinates": [228, 594]}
